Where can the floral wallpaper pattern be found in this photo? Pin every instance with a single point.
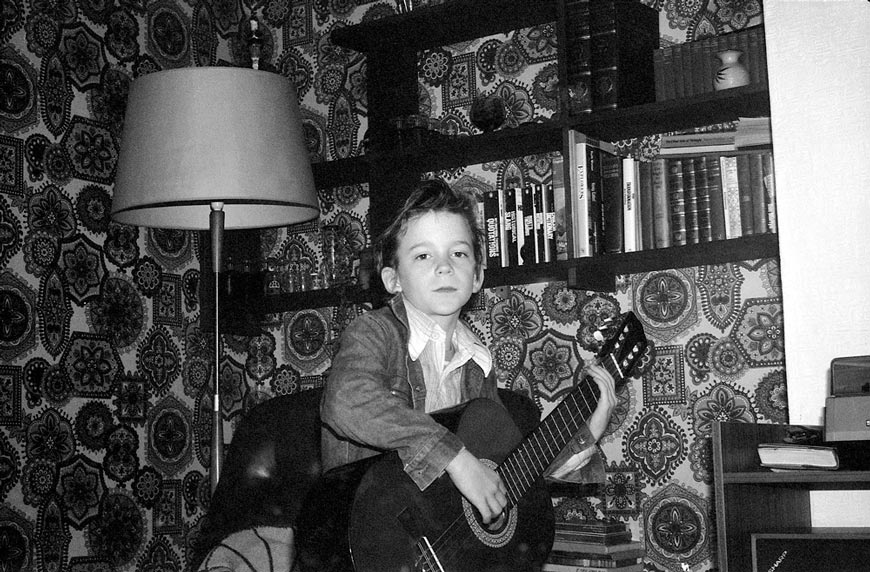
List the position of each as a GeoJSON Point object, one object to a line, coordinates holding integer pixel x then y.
{"type": "Point", "coordinates": [105, 370]}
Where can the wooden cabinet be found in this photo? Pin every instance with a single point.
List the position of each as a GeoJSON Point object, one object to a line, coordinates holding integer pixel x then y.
{"type": "Point", "coordinates": [391, 46]}
{"type": "Point", "coordinates": [753, 499]}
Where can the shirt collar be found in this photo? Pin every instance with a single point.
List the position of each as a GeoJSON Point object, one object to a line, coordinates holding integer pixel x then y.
{"type": "Point", "coordinates": [423, 329]}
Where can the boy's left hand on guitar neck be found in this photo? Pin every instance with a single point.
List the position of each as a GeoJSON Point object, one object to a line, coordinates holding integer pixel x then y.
{"type": "Point", "coordinates": [599, 419]}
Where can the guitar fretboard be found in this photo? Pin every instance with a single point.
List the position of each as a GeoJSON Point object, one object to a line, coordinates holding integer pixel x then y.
{"type": "Point", "coordinates": [527, 462]}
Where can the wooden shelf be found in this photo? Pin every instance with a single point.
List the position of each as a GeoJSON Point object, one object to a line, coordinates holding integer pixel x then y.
{"type": "Point", "coordinates": [444, 24]}
{"type": "Point", "coordinates": [751, 499]}
{"type": "Point", "coordinates": [599, 273]}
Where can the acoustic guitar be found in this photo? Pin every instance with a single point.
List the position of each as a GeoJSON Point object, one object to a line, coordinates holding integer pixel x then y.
{"type": "Point", "coordinates": [371, 517]}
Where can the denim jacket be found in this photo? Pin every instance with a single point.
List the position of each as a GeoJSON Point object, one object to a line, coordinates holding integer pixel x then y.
{"type": "Point", "coordinates": [375, 398]}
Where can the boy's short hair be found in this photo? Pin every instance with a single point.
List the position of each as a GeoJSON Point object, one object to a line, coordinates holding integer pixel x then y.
{"type": "Point", "coordinates": [431, 195]}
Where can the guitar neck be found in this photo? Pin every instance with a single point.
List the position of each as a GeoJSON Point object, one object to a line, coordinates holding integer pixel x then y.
{"type": "Point", "coordinates": [541, 447]}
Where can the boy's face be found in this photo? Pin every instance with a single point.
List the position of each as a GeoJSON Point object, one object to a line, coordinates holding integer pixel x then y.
{"type": "Point", "coordinates": [436, 272]}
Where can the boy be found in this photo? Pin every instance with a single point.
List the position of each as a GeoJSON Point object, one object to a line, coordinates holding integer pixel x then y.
{"type": "Point", "coordinates": [397, 364]}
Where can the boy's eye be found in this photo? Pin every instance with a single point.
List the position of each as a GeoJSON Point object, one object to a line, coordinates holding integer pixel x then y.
{"type": "Point", "coordinates": [422, 256]}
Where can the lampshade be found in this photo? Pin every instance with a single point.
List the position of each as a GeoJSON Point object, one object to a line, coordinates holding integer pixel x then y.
{"type": "Point", "coordinates": [197, 136]}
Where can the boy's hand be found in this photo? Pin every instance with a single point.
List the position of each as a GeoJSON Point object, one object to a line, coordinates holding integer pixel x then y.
{"type": "Point", "coordinates": [479, 484]}
{"type": "Point", "coordinates": [600, 418]}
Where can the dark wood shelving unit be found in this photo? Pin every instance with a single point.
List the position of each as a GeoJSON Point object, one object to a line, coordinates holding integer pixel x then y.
{"type": "Point", "coordinates": [753, 499]}
{"type": "Point", "coordinates": [391, 45]}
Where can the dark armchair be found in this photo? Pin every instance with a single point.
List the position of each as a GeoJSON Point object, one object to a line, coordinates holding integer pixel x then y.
{"type": "Point", "coordinates": [271, 464]}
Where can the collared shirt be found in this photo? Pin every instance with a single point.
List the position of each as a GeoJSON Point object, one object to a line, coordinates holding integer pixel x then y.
{"type": "Point", "coordinates": [427, 342]}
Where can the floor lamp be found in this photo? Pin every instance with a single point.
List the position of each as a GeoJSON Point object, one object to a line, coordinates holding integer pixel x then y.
{"type": "Point", "coordinates": [213, 148]}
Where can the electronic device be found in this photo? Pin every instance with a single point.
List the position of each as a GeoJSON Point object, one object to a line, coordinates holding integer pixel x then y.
{"type": "Point", "coordinates": [847, 418]}
{"type": "Point", "coordinates": [850, 375]}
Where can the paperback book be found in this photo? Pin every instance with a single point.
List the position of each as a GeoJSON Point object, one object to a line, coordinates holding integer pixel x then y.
{"type": "Point", "coordinates": [798, 456]}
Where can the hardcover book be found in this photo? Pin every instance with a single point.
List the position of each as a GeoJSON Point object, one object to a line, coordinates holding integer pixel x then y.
{"type": "Point", "coordinates": [630, 549]}
{"type": "Point", "coordinates": [492, 227]}
{"type": "Point", "coordinates": [645, 199]}
{"type": "Point", "coordinates": [624, 35]}
{"type": "Point", "coordinates": [759, 198]}
{"type": "Point", "coordinates": [702, 188]}
{"type": "Point", "coordinates": [530, 238]}
{"type": "Point", "coordinates": [583, 214]}
{"type": "Point", "coordinates": [842, 549]}
{"type": "Point", "coordinates": [630, 206]}
{"type": "Point", "coordinates": [716, 199]}
{"type": "Point", "coordinates": [797, 456]}
{"type": "Point", "coordinates": [677, 202]}
{"type": "Point", "coordinates": [510, 255]}
{"type": "Point", "coordinates": [611, 203]}
{"type": "Point", "coordinates": [579, 70]}
{"type": "Point", "coordinates": [690, 200]}
{"type": "Point", "coordinates": [744, 186]}
{"type": "Point", "coordinates": [730, 196]}
{"type": "Point", "coordinates": [560, 231]}
{"type": "Point", "coordinates": [661, 203]}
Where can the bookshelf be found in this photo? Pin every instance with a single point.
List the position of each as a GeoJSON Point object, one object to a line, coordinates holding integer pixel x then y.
{"type": "Point", "coordinates": [752, 499]}
{"type": "Point", "coordinates": [391, 45]}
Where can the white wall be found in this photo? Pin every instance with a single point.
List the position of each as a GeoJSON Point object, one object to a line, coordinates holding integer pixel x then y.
{"type": "Point", "coordinates": [819, 68]}
{"type": "Point", "coordinates": [818, 56]}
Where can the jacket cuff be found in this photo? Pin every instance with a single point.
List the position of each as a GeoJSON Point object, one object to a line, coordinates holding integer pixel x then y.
{"type": "Point", "coordinates": [431, 461]}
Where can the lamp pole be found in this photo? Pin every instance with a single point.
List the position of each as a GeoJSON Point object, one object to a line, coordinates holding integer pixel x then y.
{"type": "Point", "coordinates": [216, 227]}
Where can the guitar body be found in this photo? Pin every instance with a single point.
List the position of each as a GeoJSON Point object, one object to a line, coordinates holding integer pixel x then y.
{"type": "Point", "coordinates": [390, 513]}
{"type": "Point", "coordinates": [374, 511]}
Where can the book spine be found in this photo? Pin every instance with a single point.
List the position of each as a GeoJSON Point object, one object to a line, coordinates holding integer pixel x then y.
{"type": "Point", "coordinates": [769, 190]}
{"type": "Point", "coordinates": [668, 74]}
{"type": "Point", "coordinates": [556, 567]}
{"type": "Point", "coordinates": [744, 185]}
{"type": "Point", "coordinates": [759, 198]}
{"type": "Point", "coordinates": [560, 230]}
{"type": "Point", "coordinates": [520, 222]}
{"type": "Point", "coordinates": [579, 71]}
{"type": "Point", "coordinates": [679, 89]}
{"type": "Point", "coordinates": [530, 242]}
{"type": "Point", "coordinates": [717, 203]}
{"type": "Point", "coordinates": [661, 203]}
{"type": "Point", "coordinates": [658, 68]}
{"type": "Point", "coordinates": [492, 228]}
{"type": "Point", "coordinates": [705, 225]}
{"type": "Point", "coordinates": [611, 203]}
{"type": "Point", "coordinates": [593, 193]}
{"type": "Point", "coordinates": [696, 72]}
{"type": "Point", "coordinates": [578, 206]}
{"type": "Point", "coordinates": [510, 221]}
{"type": "Point", "coordinates": [708, 53]}
{"type": "Point", "coordinates": [676, 194]}
{"type": "Point", "coordinates": [730, 196]}
{"type": "Point", "coordinates": [630, 205]}
{"type": "Point", "coordinates": [690, 200]}
{"type": "Point", "coordinates": [645, 198]}
{"type": "Point", "coordinates": [503, 229]}
{"type": "Point", "coordinates": [540, 229]}
{"type": "Point", "coordinates": [549, 222]}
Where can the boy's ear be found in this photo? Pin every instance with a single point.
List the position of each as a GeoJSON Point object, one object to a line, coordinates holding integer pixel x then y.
{"type": "Point", "coordinates": [390, 278]}
{"type": "Point", "coordinates": [478, 279]}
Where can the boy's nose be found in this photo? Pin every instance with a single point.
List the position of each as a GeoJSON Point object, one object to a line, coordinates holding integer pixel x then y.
{"type": "Point", "coordinates": [443, 265]}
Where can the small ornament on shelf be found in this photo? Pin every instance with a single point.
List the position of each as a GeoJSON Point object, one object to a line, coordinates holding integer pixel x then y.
{"type": "Point", "coordinates": [732, 72]}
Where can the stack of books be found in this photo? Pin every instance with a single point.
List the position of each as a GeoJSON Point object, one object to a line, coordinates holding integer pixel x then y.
{"type": "Point", "coordinates": [594, 546]}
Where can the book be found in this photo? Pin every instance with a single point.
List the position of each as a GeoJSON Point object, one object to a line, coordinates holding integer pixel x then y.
{"type": "Point", "coordinates": [529, 252]}
{"type": "Point", "coordinates": [744, 186]}
{"type": "Point", "coordinates": [519, 221]}
{"type": "Point", "coordinates": [630, 549]}
{"type": "Point", "coordinates": [697, 142]}
{"type": "Point", "coordinates": [752, 132]}
{"type": "Point", "coordinates": [623, 36]}
{"type": "Point", "coordinates": [583, 208]}
{"type": "Point", "coordinates": [645, 210]}
{"type": "Point", "coordinates": [630, 205]}
{"type": "Point", "coordinates": [690, 200]}
{"type": "Point", "coordinates": [677, 202]}
{"type": "Point", "coordinates": [556, 567]}
{"type": "Point", "coordinates": [769, 190]}
{"type": "Point", "coordinates": [730, 196]}
{"type": "Point", "coordinates": [492, 227]}
{"type": "Point", "coordinates": [579, 559]}
{"type": "Point", "coordinates": [578, 92]}
{"type": "Point", "coordinates": [596, 526]}
{"type": "Point", "coordinates": [549, 209]}
{"type": "Point", "coordinates": [560, 231]}
{"type": "Point", "coordinates": [702, 189]}
{"type": "Point", "coordinates": [540, 228]}
{"type": "Point", "coordinates": [510, 254]}
{"type": "Point", "coordinates": [605, 539]}
{"type": "Point", "coordinates": [716, 198]}
{"type": "Point", "coordinates": [759, 199]}
{"type": "Point", "coordinates": [611, 203]}
{"type": "Point", "coordinates": [661, 203]}
{"type": "Point", "coordinates": [797, 456]}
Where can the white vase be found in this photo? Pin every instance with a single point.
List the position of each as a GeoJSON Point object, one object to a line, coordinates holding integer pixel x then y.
{"type": "Point", "coordinates": [731, 72]}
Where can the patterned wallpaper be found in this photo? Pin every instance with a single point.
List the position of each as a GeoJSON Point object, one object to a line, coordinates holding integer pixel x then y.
{"type": "Point", "coordinates": [104, 414]}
